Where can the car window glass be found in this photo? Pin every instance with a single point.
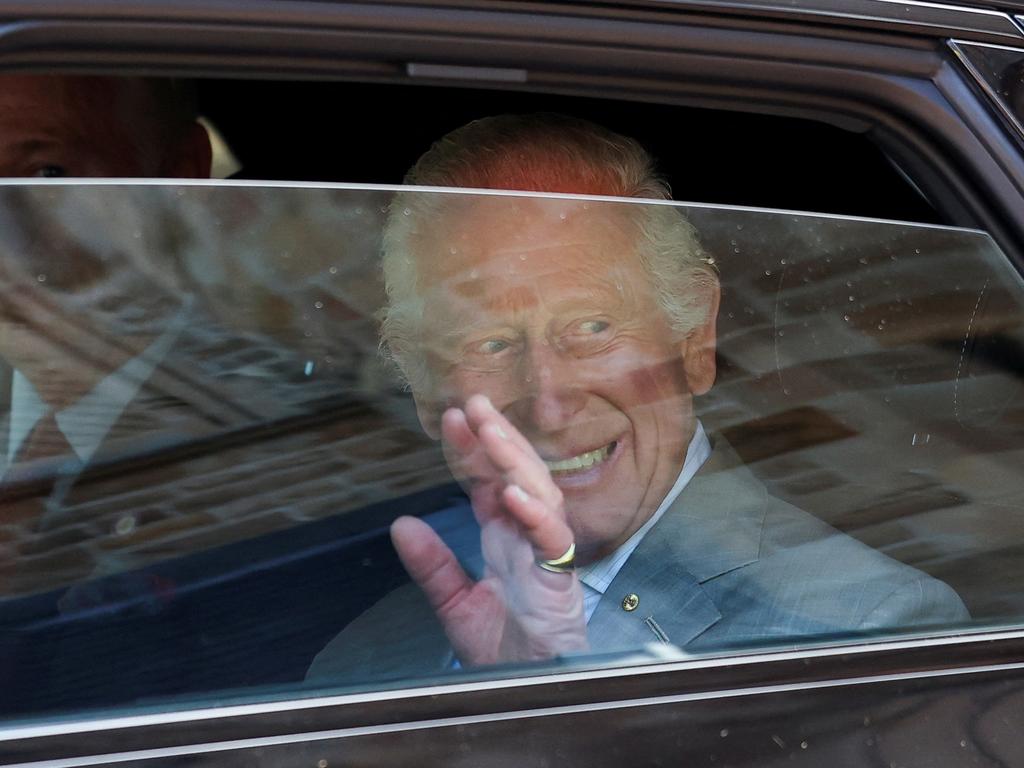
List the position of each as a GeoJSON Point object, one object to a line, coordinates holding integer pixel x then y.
{"type": "Point", "coordinates": [999, 71]}
{"type": "Point", "coordinates": [206, 442]}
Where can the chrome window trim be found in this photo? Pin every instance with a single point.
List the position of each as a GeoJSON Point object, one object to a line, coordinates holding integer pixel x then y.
{"type": "Point", "coordinates": [470, 191]}
{"type": "Point", "coordinates": [11, 733]}
{"type": "Point", "coordinates": [531, 713]}
{"type": "Point", "coordinates": [940, 16]}
{"type": "Point", "coordinates": [527, 714]}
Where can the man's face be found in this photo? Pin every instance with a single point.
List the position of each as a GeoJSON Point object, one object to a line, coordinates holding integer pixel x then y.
{"type": "Point", "coordinates": [77, 126]}
{"type": "Point", "coordinates": [545, 307]}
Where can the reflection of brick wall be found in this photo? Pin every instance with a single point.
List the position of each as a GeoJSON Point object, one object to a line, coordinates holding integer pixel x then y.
{"type": "Point", "coordinates": [864, 368]}
{"type": "Point", "coordinates": [135, 516]}
{"type": "Point", "coordinates": [286, 416]}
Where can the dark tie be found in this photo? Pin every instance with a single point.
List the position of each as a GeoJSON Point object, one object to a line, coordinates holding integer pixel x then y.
{"type": "Point", "coordinates": [43, 442]}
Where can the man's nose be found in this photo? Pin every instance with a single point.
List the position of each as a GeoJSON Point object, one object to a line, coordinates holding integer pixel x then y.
{"type": "Point", "coordinates": [550, 393]}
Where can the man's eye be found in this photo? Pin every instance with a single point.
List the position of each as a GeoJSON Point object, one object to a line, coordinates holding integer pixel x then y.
{"type": "Point", "coordinates": [51, 172]}
{"type": "Point", "coordinates": [593, 326]}
{"type": "Point", "coordinates": [492, 346]}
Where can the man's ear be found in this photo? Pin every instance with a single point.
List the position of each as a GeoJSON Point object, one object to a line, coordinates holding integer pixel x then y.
{"type": "Point", "coordinates": [192, 158]}
{"type": "Point", "coordinates": [429, 412]}
{"type": "Point", "coordinates": [698, 349]}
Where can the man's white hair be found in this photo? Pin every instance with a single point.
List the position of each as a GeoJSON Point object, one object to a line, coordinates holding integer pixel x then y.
{"type": "Point", "coordinates": [538, 153]}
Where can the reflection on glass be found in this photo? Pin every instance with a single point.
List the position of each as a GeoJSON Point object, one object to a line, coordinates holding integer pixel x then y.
{"type": "Point", "coordinates": [758, 429]}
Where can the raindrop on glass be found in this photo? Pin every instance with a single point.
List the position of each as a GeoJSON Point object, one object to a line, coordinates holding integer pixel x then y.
{"type": "Point", "coordinates": [125, 525]}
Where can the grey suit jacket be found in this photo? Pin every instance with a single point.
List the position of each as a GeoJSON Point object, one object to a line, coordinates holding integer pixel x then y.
{"type": "Point", "coordinates": [728, 565]}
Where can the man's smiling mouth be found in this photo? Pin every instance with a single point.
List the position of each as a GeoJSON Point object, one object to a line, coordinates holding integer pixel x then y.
{"type": "Point", "coordinates": [581, 461]}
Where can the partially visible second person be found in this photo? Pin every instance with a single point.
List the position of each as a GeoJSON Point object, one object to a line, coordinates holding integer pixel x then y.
{"type": "Point", "coordinates": [57, 399]}
{"type": "Point", "coordinates": [92, 126]}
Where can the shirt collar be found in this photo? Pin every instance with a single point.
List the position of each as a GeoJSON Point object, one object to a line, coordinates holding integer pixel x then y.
{"type": "Point", "coordinates": [27, 408]}
{"type": "Point", "coordinates": [86, 422]}
{"type": "Point", "coordinates": [599, 575]}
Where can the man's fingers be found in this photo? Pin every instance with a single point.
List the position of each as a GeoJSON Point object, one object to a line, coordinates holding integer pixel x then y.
{"type": "Point", "coordinates": [520, 467]}
{"type": "Point", "coordinates": [527, 491]}
{"type": "Point", "coordinates": [466, 456]}
{"type": "Point", "coordinates": [431, 564]}
{"type": "Point", "coordinates": [456, 432]}
{"type": "Point", "coordinates": [480, 411]}
{"type": "Point", "coordinates": [548, 534]}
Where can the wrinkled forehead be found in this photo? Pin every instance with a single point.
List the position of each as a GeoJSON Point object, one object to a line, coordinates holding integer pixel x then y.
{"type": "Point", "coordinates": [77, 108]}
{"type": "Point", "coordinates": [523, 237]}
{"type": "Point", "coordinates": [56, 97]}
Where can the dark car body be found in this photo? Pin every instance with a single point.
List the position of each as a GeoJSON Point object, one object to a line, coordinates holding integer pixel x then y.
{"type": "Point", "coordinates": [900, 74]}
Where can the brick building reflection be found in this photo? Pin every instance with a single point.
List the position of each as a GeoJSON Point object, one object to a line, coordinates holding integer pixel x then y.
{"type": "Point", "coordinates": [236, 406]}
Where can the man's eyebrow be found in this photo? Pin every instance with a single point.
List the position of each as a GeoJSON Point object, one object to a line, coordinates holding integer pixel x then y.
{"type": "Point", "coordinates": [24, 147]}
{"type": "Point", "coordinates": [455, 334]}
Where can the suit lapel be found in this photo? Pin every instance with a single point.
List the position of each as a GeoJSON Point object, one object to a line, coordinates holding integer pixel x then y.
{"type": "Point", "coordinates": [713, 527]}
{"type": "Point", "coordinates": [674, 615]}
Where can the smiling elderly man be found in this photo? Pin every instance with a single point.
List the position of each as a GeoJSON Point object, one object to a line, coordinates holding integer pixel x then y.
{"type": "Point", "coordinates": [555, 347]}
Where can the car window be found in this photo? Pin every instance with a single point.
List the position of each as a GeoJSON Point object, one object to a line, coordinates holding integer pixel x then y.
{"type": "Point", "coordinates": [997, 70]}
{"type": "Point", "coordinates": [762, 429]}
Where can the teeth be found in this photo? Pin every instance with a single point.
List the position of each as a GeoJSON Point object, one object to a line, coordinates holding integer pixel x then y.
{"type": "Point", "coordinates": [583, 461]}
